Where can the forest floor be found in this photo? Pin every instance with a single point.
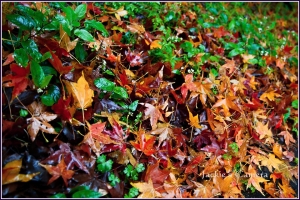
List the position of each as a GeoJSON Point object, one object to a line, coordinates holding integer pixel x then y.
{"type": "Point", "coordinates": [149, 99]}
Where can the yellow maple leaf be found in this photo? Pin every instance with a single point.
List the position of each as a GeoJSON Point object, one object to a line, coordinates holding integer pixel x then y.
{"type": "Point", "coordinates": [271, 161]}
{"type": "Point", "coordinates": [264, 132]}
{"type": "Point", "coordinates": [255, 179]}
{"type": "Point", "coordinates": [81, 92]}
{"type": "Point", "coordinates": [147, 189]}
{"type": "Point", "coordinates": [65, 41]}
{"type": "Point", "coordinates": [194, 120]}
{"type": "Point", "coordinates": [269, 95]}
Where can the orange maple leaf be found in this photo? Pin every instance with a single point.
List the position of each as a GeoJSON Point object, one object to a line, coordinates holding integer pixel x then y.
{"type": "Point", "coordinates": [194, 120]}
{"type": "Point", "coordinates": [269, 95]}
{"type": "Point", "coordinates": [146, 189]}
{"type": "Point", "coordinates": [59, 171]}
{"type": "Point", "coordinates": [144, 143]}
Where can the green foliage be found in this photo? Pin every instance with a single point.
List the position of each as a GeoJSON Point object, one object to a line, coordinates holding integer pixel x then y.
{"type": "Point", "coordinates": [38, 76]}
{"type": "Point", "coordinates": [117, 92]}
{"type": "Point", "coordinates": [113, 179]}
{"type": "Point", "coordinates": [295, 104]}
{"type": "Point", "coordinates": [84, 34]}
{"type": "Point", "coordinates": [227, 156]}
{"type": "Point", "coordinates": [133, 192]}
{"type": "Point", "coordinates": [80, 52]}
{"type": "Point", "coordinates": [79, 192]}
{"type": "Point", "coordinates": [97, 25]}
{"type": "Point", "coordinates": [103, 165]}
{"type": "Point", "coordinates": [21, 57]}
{"type": "Point", "coordinates": [58, 195]}
{"type": "Point", "coordinates": [234, 147]}
{"type": "Point", "coordinates": [52, 96]}
{"type": "Point", "coordinates": [132, 173]}
{"type": "Point", "coordinates": [23, 113]}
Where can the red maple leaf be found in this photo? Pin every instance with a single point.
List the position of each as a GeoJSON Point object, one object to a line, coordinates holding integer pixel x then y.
{"type": "Point", "coordinates": [57, 64]}
{"type": "Point", "coordinates": [134, 58]}
{"type": "Point", "coordinates": [62, 108]}
{"type": "Point", "coordinates": [93, 8]}
{"type": "Point", "coordinates": [144, 143]}
{"type": "Point", "coordinates": [53, 45]}
{"type": "Point", "coordinates": [220, 32]}
{"type": "Point", "coordinates": [188, 85]}
{"type": "Point", "coordinates": [191, 167]}
{"type": "Point", "coordinates": [18, 79]}
{"type": "Point", "coordinates": [157, 175]}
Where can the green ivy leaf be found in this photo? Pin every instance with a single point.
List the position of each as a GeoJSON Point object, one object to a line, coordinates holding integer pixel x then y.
{"type": "Point", "coordinates": [119, 93]}
{"type": "Point", "coordinates": [104, 84]}
{"type": "Point", "coordinates": [21, 57]}
{"type": "Point", "coordinates": [67, 27]}
{"type": "Point", "coordinates": [170, 16]}
{"type": "Point", "coordinates": [86, 194]}
{"type": "Point", "coordinates": [52, 96]}
{"type": "Point", "coordinates": [253, 61]}
{"type": "Point", "coordinates": [83, 34]}
{"type": "Point", "coordinates": [97, 25]}
{"type": "Point", "coordinates": [25, 23]}
{"type": "Point", "coordinates": [80, 11]}
{"type": "Point", "coordinates": [214, 72]}
{"type": "Point", "coordinates": [46, 56]}
{"type": "Point", "coordinates": [37, 16]}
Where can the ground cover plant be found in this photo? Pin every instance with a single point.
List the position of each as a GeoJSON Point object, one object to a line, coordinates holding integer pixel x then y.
{"type": "Point", "coordinates": [149, 99]}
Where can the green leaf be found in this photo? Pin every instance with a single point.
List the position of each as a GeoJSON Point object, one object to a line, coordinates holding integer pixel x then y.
{"type": "Point", "coordinates": [295, 104]}
{"type": "Point", "coordinates": [59, 195]}
{"type": "Point", "coordinates": [65, 24]}
{"type": "Point", "coordinates": [133, 192]}
{"type": "Point", "coordinates": [48, 70]}
{"type": "Point", "coordinates": [287, 115]}
{"type": "Point", "coordinates": [32, 49]}
{"type": "Point", "coordinates": [21, 57]}
{"type": "Point", "coordinates": [104, 166]}
{"type": "Point", "coordinates": [80, 11]}
{"type": "Point", "coordinates": [97, 25]}
{"type": "Point", "coordinates": [253, 61]}
{"type": "Point", "coordinates": [38, 75]}
{"type": "Point", "coordinates": [214, 72]}
{"type": "Point", "coordinates": [86, 194]}
{"type": "Point", "coordinates": [223, 18]}
{"type": "Point", "coordinates": [186, 46]}
{"type": "Point", "coordinates": [23, 113]}
{"type": "Point", "coordinates": [235, 52]}
{"type": "Point", "coordinates": [140, 168]}
{"type": "Point", "coordinates": [170, 16]}
{"type": "Point", "coordinates": [78, 188]}
{"type": "Point", "coordinates": [46, 56]}
{"type": "Point", "coordinates": [104, 84]}
{"type": "Point", "coordinates": [52, 96]}
{"type": "Point", "coordinates": [109, 72]}
{"type": "Point", "coordinates": [37, 16]}
{"type": "Point", "coordinates": [214, 58]}
{"type": "Point", "coordinates": [71, 16]}
{"type": "Point", "coordinates": [25, 23]}
{"type": "Point", "coordinates": [133, 105]}
{"type": "Point", "coordinates": [119, 93]}
{"type": "Point", "coordinates": [83, 34]}
{"type": "Point", "coordinates": [113, 179]}
{"type": "Point", "coordinates": [80, 52]}
{"type": "Point", "coordinates": [128, 169]}
{"type": "Point", "coordinates": [234, 147]}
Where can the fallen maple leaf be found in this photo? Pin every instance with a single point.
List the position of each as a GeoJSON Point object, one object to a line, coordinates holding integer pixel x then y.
{"type": "Point", "coordinates": [10, 58]}
{"type": "Point", "coordinates": [155, 44]}
{"type": "Point", "coordinates": [62, 108]}
{"type": "Point", "coordinates": [194, 120]}
{"type": "Point", "coordinates": [287, 138]}
{"type": "Point", "coordinates": [269, 95]}
{"type": "Point", "coordinates": [255, 179]}
{"type": "Point", "coordinates": [264, 131]}
{"type": "Point", "coordinates": [59, 170]}
{"type": "Point", "coordinates": [144, 143]}
{"type": "Point", "coordinates": [11, 173]}
{"type": "Point", "coordinates": [247, 57]}
{"type": "Point", "coordinates": [57, 64]}
{"type": "Point", "coordinates": [146, 189]}
{"type": "Point", "coordinates": [18, 79]}
{"type": "Point", "coordinates": [164, 131]}
{"type": "Point", "coordinates": [153, 113]}
{"type": "Point", "coordinates": [271, 161]}
{"type": "Point", "coordinates": [81, 92]}
{"type": "Point", "coordinates": [39, 120]}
